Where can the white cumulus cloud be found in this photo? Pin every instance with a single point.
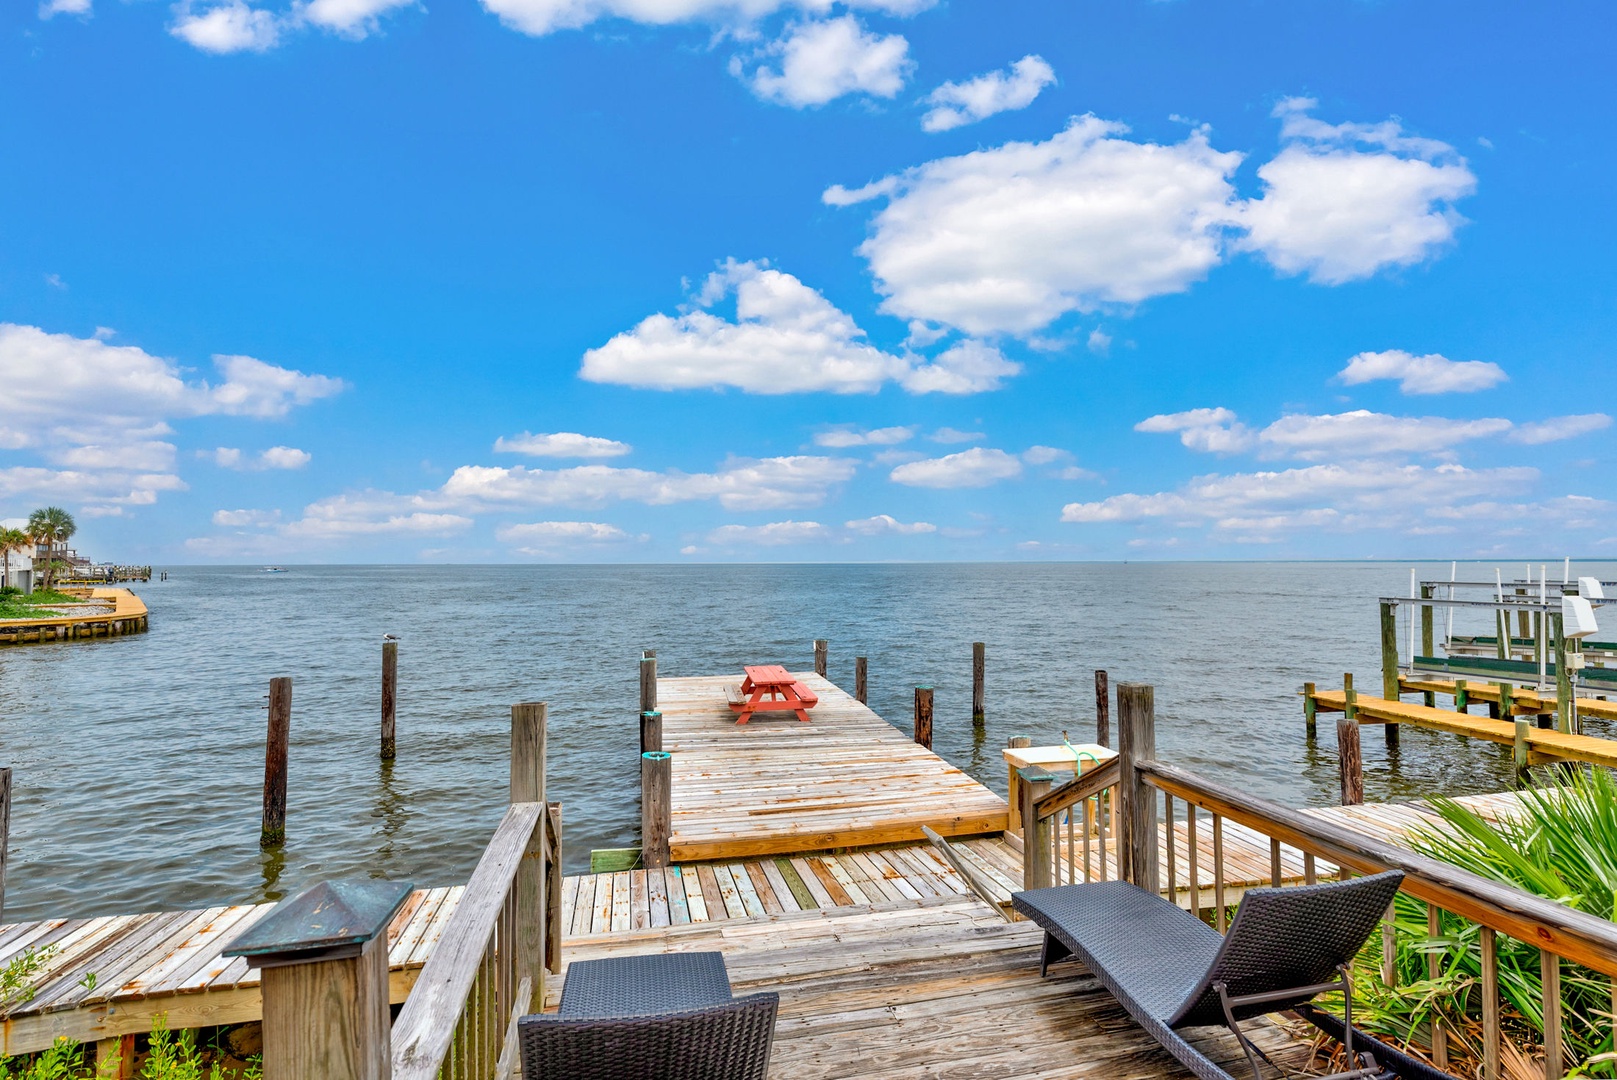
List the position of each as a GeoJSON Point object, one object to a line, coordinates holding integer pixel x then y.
{"type": "Point", "coordinates": [566, 444]}
{"type": "Point", "coordinates": [887, 524]}
{"type": "Point", "coordinates": [955, 104]}
{"type": "Point", "coordinates": [1560, 427]}
{"type": "Point", "coordinates": [844, 437]}
{"type": "Point", "coordinates": [232, 26]}
{"type": "Point", "coordinates": [348, 18]}
{"type": "Point", "coordinates": [822, 60]}
{"type": "Point", "coordinates": [1010, 238]}
{"type": "Point", "coordinates": [1429, 374]}
{"type": "Point", "coordinates": [977, 467]}
{"type": "Point", "coordinates": [785, 338]}
{"type": "Point", "coordinates": [1343, 201]}
{"type": "Point", "coordinates": [1215, 431]}
{"type": "Point", "coordinates": [774, 534]}
{"type": "Point", "coordinates": [48, 8]}
{"type": "Point", "coordinates": [547, 16]}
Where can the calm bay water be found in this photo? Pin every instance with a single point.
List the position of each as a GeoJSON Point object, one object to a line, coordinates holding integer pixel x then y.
{"type": "Point", "coordinates": [138, 761]}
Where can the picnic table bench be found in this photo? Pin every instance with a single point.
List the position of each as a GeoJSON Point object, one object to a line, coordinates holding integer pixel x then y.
{"type": "Point", "coordinates": [770, 688]}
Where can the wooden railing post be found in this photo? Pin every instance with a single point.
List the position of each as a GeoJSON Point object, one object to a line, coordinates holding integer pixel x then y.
{"type": "Point", "coordinates": [656, 768]}
{"type": "Point", "coordinates": [322, 957]}
{"type": "Point", "coordinates": [1037, 835]}
{"type": "Point", "coordinates": [1103, 709]}
{"type": "Point", "coordinates": [648, 682]}
{"type": "Point", "coordinates": [1427, 638]}
{"type": "Point", "coordinates": [651, 731]}
{"type": "Point", "coordinates": [1137, 817]}
{"type": "Point", "coordinates": [923, 716]}
{"type": "Point", "coordinates": [821, 646]}
{"type": "Point", "coordinates": [528, 732]}
{"type": "Point", "coordinates": [979, 665]}
{"type": "Point", "coordinates": [273, 831]}
{"type": "Point", "coordinates": [5, 833]}
{"type": "Point", "coordinates": [390, 687]}
{"type": "Point", "coordinates": [860, 670]}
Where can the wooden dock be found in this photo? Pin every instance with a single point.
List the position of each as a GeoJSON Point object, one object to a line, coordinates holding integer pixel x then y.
{"type": "Point", "coordinates": [1526, 700]}
{"type": "Point", "coordinates": [1543, 744]}
{"type": "Point", "coordinates": [116, 975]}
{"type": "Point", "coordinates": [940, 988]}
{"type": "Point", "coordinates": [128, 616]}
{"type": "Point", "coordinates": [776, 785]}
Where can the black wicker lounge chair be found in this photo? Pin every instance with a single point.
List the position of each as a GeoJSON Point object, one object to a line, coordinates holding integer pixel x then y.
{"type": "Point", "coordinates": [1170, 970]}
{"type": "Point", "coordinates": [657, 1017]}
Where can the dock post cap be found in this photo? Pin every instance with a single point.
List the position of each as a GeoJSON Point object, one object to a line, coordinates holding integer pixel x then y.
{"type": "Point", "coordinates": [923, 687]}
{"type": "Point", "coordinates": [651, 712]}
{"type": "Point", "coordinates": [328, 920]}
{"type": "Point", "coordinates": [1034, 774]}
{"type": "Point", "coordinates": [657, 755]}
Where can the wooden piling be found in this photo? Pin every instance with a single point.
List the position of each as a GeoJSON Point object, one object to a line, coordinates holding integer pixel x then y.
{"type": "Point", "coordinates": [1462, 697]}
{"type": "Point", "coordinates": [651, 731]}
{"type": "Point", "coordinates": [923, 716]}
{"type": "Point", "coordinates": [1350, 698]}
{"type": "Point", "coordinates": [1137, 818]}
{"type": "Point", "coordinates": [1389, 666]}
{"type": "Point", "coordinates": [1350, 761]}
{"type": "Point", "coordinates": [5, 834]}
{"type": "Point", "coordinates": [656, 767]}
{"type": "Point", "coordinates": [390, 685]}
{"type": "Point", "coordinates": [273, 831]}
{"type": "Point", "coordinates": [1310, 710]}
{"type": "Point", "coordinates": [1520, 755]}
{"type": "Point", "coordinates": [860, 670]}
{"type": "Point", "coordinates": [821, 648]}
{"type": "Point", "coordinates": [648, 682]}
{"type": "Point", "coordinates": [1427, 639]}
{"type": "Point", "coordinates": [531, 884]}
{"type": "Point", "coordinates": [979, 663]}
{"type": "Point", "coordinates": [1103, 709]}
{"type": "Point", "coordinates": [1563, 677]}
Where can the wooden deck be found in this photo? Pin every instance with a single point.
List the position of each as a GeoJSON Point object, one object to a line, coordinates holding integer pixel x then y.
{"type": "Point", "coordinates": [777, 786]}
{"type": "Point", "coordinates": [128, 616]}
{"type": "Point", "coordinates": [167, 964]}
{"type": "Point", "coordinates": [630, 901]}
{"type": "Point", "coordinates": [941, 988]}
{"type": "Point", "coordinates": [1527, 699]}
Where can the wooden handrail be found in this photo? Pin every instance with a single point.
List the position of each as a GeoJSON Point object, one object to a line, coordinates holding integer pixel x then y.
{"type": "Point", "coordinates": [427, 1025]}
{"type": "Point", "coordinates": [1084, 786]}
{"type": "Point", "coordinates": [1564, 931]}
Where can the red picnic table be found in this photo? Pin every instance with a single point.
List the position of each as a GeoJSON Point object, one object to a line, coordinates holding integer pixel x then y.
{"type": "Point", "coordinates": [771, 688]}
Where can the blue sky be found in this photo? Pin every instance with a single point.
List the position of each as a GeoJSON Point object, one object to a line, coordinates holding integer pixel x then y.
{"type": "Point", "coordinates": [664, 280]}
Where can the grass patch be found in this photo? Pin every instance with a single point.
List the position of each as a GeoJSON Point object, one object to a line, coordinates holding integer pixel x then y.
{"type": "Point", "coordinates": [15, 605]}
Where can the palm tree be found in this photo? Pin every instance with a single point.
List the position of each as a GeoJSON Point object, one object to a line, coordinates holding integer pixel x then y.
{"type": "Point", "coordinates": [51, 525]}
{"type": "Point", "coordinates": [10, 540]}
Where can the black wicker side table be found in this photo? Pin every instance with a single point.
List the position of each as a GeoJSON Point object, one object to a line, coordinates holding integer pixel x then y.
{"type": "Point", "coordinates": [621, 986]}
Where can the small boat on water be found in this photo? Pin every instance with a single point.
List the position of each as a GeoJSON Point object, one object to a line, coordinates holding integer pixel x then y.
{"type": "Point", "coordinates": [272, 569]}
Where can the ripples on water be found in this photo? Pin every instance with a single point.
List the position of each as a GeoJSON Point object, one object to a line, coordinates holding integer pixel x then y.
{"type": "Point", "coordinates": [138, 761]}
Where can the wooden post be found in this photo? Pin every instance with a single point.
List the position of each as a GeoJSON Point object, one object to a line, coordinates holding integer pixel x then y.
{"type": "Point", "coordinates": [1310, 710]}
{"type": "Point", "coordinates": [651, 731]}
{"type": "Point", "coordinates": [1389, 666]}
{"type": "Point", "coordinates": [1350, 704]}
{"type": "Point", "coordinates": [528, 730]}
{"type": "Point", "coordinates": [1103, 709]}
{"type": "Point", "coordinates": [1350, 762]}
{"type": "Point", "coordinates": [390, 686]}
{"type": "Point", "coordinates": [1522, 728]}
{"type": "Point", "coordinates": [326, 1007]}
{"type": "Point", "coordinates": [648, 683]}
{"type": "Point", "coordinates": [923, 716]}
{"type": "Point", "coordinates": [1013, 786]}
{"type": "Point", "coordinates": [1563, 677]}
{"type": "Point", "coordinates": [1427, 639]}
{"type": "Point", "coordinates": [821, 647]}
{"type": "Point", "coordinates": [860, 670]}
{"type": "Point", "coordinates": [979, 663]}
{"type": "Point", "coordinates": [553, 896]}
{"type": "Point", "coordinates": [273, 831]}
{"type": "Point", "coordinates": [1137, 821]}
{"type": "Point", "coordinates": [5, 833]}
{"type": "Point", "coordinates": [1507, 700]}
{"type": "Point", "coordinates": [655, 769]}
{"type": "Point", "coordinates": [1462, 697]}
{"type": "Point", "coordinates": [1037, 871]}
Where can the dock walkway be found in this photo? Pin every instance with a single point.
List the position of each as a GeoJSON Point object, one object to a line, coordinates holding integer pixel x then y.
{"type": "Point", "coordinates": [776, 785]}
{"type": "Point", "coordinates": [128, 616]}
{"type": "Point", "coordinates": [1542, 744]}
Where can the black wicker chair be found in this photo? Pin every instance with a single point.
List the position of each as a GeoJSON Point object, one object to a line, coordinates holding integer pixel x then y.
{"type": "Point", "coordinates": [657, 1017]}
{"type": "Point", "coordinates": [1170, 970]}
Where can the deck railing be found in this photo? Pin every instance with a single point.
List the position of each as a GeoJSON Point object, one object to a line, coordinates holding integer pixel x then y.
{"type": "Point", "coordinates": [486, 970]}
{"type": "Point", "coordinates": [1558, 931]}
